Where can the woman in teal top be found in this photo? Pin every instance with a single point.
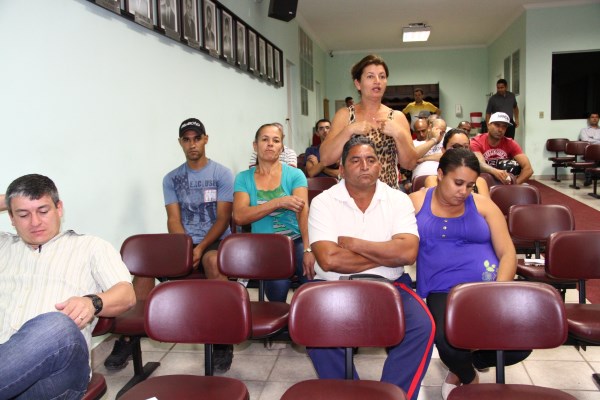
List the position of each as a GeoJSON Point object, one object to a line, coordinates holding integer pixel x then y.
{"type": "Point", "coordinates": [273, 197]}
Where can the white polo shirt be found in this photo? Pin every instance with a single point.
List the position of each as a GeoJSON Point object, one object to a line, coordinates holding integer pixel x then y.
{"type": "Point", "coordinates": [334, 213]}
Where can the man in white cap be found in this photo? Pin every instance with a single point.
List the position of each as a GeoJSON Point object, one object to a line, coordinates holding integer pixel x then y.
{"type": "Point", "coordinates": [493, 150]}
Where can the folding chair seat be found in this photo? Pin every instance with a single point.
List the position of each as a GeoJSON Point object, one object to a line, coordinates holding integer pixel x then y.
{"type": "Point", "coordinates": [346, 314]}
{"type": "Point", "coordinates": [260, 257]}
{"type": "Point", "coordinates": [530, 315]}
{"type": "Point", "coordinates": [576, 255]}
{"type": "Point", "coordinates": [535, 223]}
{"type": "Point", "coordinates": [577, 148]}
{"type": "Point", "coordinates": [557, 145]}
{"type": "Point", "coordinates": [154, 256]}
{"type": "Point", "coordinates": [317, 184]}
{"type": "Point", "coordinates": [592, 155]}
{"type": "Point", "coordinates": [195, 311]}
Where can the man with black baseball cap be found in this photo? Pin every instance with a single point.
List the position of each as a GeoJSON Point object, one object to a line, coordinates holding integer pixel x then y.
{"type": "Point", "coordinates": [198, 197]}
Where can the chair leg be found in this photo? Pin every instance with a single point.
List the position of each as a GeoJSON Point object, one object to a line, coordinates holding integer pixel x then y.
{"type": "Point", "coordinates": [141, 371]}
{"type": "Point", "coordinates": [594, 193]}
{"type": "Point", "coordinates": [574, 185]}
{"type": "Point", "coordinates": [555, 179]}
{"type": "Point", "coordinates": [596, 379]}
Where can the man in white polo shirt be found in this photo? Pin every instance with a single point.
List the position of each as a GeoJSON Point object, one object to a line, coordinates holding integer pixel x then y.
{"type": "Point", "coordinates": [52, 286]}
{"type": "Point", "coordinates": [361, 225]}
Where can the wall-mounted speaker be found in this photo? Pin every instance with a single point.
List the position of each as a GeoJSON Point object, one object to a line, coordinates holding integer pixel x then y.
{"type": "Point", "coordinates": [284, 10]}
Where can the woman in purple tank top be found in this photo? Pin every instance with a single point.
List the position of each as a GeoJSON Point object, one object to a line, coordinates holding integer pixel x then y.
{"type": "Point", "coordinates": [463, 238]}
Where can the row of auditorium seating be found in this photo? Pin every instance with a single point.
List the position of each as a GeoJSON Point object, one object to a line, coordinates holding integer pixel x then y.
{"type": "Point", "coordinates": [573, 150]}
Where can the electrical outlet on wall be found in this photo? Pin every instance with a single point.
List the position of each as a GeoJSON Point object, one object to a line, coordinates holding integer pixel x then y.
{"type": "Point", "coordinates": [541, 114]}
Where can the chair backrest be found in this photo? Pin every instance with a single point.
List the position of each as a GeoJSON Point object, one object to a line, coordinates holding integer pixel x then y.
{"type": "Point", "coordinates": [505, 316]}
{"type": "Point", "coordinates": [574, 255]}
{"type": "Point", "coordinates": [536, 222]}
{"type": "Point", "coordinates": [592, 152]}
{"type": "Point", "coordinates": [556, 145]}
{"type": "Point", "coordinates": [418, 182]}
{"type": "Point", "coordinates": [256, 256]}
{"type": "Point", "coordinates": [321, 182]}
{"type": "Point", "coordinates": [158, 255]}
{"type": "Point", "coordinates": [576, 147]}
{"type": "Point", "coordinates": [346, 314]}
{"type": "Point", "coordinates": [508, 195]}
{"type": "Point", "coordinates": [198, 311]}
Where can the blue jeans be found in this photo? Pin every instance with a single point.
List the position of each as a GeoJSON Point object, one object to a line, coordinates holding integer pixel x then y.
{"type": "Point", "coordinates": [277, 290]}
{"type": "Point", "coordinates": [46, 359]}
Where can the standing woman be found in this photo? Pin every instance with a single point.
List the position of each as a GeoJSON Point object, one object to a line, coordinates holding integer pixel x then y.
{"type": "Point", "coordinates": [273, 197]}
{"type": "Point", "coordinates": [388, 129]}
{"type": "Point", "coordinates": [463, 238]}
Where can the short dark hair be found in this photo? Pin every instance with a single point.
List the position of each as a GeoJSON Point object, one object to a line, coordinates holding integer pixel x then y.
{"type": "Point", "coordinates": [463, 122]}
{"type": "Point", "coordinates": [502, 81]}
{"type": "Point", "coordinates": [356, 140]}
{"type": "Point", "coordinates": [371, 59]}
{"type": "Point", "coordinates": [593, 113]}
{"type": "Point", "coordinates": [347, 98]}
{"type": "Point", "coordinates": [419, 90]}
{"type": "Point", "coordinates": [322, 120]}
{"type": "Point", "coordinates": [32, 186]}
{"type": "Point", "coordinates": [452, 132]}
{"type": "Point", "coordinates": [454, 158]}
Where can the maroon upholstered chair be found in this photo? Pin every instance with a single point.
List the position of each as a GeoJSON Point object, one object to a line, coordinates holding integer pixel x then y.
{"type": "Point", "coordinates": [154, 256]}
{"type": "Point", "coordinates": [346, 314]}
{"type": "Point", "coordinates": [576, 148]}
{"type": "Point", "coordinates": [97, 386]}
{"type": "Point", "coordinates": [524, 315]}
{"type": "Point", "coordinates": [195, 311]}
{"type": "Point", "coordinates": [317, 184]}
{"type": "Point", "coordinates": [592, 156]}
{"type": "Point", "coordinates": [535, 223]}
{"type": "Point", "coordinates": [418, 182]}
{"type": "Point", "coordinates": [557, 146]}
{"type": "Point", "coordinates": [260, 257]}
{"type": "Point", "coordinates": [576, 255]}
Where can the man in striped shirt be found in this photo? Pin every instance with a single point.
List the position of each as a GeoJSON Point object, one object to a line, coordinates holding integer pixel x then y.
{"type": "Point", "coordinates": [53, 284]}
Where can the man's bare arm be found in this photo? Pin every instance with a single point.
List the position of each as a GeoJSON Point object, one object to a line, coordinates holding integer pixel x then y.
{"type": "Point", "coordinates": [400, 250]}
{"type": "Point", "coordinates": [332, 257]}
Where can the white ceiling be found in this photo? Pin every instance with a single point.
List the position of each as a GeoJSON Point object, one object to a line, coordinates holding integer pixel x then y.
{"type": "Point", "coordinates": [376, 25]}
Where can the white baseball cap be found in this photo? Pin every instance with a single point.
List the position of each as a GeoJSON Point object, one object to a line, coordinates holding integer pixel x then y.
{"type": "Point", "coordinates": [500, 117]}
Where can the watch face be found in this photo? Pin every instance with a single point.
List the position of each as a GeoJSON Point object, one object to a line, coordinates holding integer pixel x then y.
{"type": "Point", "coordinates": [96, 302]}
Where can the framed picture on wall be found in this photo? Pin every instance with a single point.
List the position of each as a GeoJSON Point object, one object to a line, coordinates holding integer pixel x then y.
{"type": "Point", "coordinates": [227, 37]}
{"type": "Point", "coordinates": [142, 12]}
{"type": "Point", "coordinates": [277, 67]}
{"type": "Point", "coordinates": [190, 22]}
{"type": "Point", "coordinates": [168, 18]}
{"type": "Point", "coordinates": [252, 52]}
{"type": "Point", "coordinates": [262, 57]}
{"type": "Point", "coordinates": [270, 75]}
{"type": "Point", "coordinates": [209, 13]}
{"type": "Point", "coordinates": [240, 42]}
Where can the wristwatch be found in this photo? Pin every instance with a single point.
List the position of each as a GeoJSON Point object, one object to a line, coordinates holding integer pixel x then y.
{"type": "Point", "coordinates": [308, 250]}
{"type": "Point", "coordinates": [96, 302]}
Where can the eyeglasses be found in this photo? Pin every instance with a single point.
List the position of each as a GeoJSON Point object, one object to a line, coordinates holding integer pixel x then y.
{"type": "Point", "coordinates": [460, 146]}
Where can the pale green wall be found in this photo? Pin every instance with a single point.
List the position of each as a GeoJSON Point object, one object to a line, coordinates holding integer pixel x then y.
{"type": "Point", "coordinates": [94, 101]}
{"type": "Point", "coordinates": [461, 74]}
{"type": "Point", "coordinates": [560, 29]}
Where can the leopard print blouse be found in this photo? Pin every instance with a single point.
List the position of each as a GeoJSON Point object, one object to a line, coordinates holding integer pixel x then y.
{"type": "Point", "coordinates": [385, 148]}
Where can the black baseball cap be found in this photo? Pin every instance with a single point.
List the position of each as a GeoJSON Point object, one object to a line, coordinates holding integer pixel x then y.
{"type": "Point", "coordinates": [192, 124]}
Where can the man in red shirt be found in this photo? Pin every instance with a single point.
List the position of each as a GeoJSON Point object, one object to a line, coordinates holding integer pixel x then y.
{"type": "Point", "coordinates": [492, 147]}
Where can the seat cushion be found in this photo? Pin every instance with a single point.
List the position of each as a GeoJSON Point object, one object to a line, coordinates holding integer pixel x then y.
{"type": "Point", "coordinates": [331, 389]}
{"type": "Point", "coordinates": [562, 160]}
{"type": "Point", "coordinates": [184, 387]}
{"type": "Point", "coordinates": [507, 391]}
{"type": "Point", "coordinates": [268, 317]}
{"type": "Point", "coordinates": [537, 273]}
{"type": "Point", "coordinates": [584, 321]}
{"type": "Point", "coordinates": [131, 322]}
{"type": "Point", "coordinates": [96, 388]}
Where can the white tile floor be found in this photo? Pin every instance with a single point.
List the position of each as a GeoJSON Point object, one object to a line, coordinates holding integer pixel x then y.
{"type": "Point", "coordinates": [269, 372]}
